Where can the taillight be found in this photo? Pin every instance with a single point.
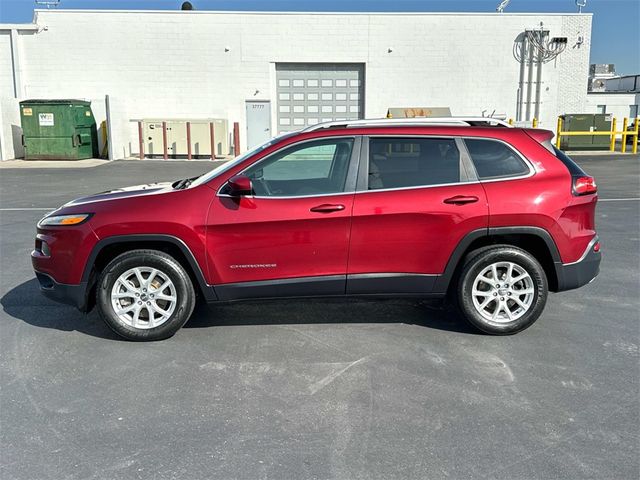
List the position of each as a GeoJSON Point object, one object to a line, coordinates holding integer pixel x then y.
{"type": "Point", "coordinates": [584, 185]}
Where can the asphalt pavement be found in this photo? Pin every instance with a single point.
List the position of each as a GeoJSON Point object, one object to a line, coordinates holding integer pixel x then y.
{"type": "Point", "coordinates": [318, 389]}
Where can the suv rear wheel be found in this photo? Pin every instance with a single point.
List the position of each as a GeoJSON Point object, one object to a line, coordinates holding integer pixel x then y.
{"type": "Point", "coordinates": [502, 289]}
{"type": "Point", "coordinates": [145, 295]}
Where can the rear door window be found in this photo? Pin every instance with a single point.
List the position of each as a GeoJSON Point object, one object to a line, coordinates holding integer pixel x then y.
{"type": "Point", "coordinates": [412, 162]}
{"type": "Point", "coordinates": [494, 159]}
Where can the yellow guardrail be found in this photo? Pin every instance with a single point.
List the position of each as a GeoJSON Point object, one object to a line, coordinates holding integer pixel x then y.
{"type": "Point", "coordinates": [534, 122]}
{"type": "Point", "coordinates": [613, 134]}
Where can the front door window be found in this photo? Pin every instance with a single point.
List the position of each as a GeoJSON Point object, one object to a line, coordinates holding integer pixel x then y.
{"type": "Point", "coordinates": [312, 168]}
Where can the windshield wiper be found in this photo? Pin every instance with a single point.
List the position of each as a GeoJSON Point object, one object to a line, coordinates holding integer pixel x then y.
{"type": "Point", "coordinates": [182, 184]}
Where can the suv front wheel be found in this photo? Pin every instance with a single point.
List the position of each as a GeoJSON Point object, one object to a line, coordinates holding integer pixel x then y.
{"type": "Point", "coordinates": [145, 295]}
{"type": "Point", "coordinates": [502, 290]}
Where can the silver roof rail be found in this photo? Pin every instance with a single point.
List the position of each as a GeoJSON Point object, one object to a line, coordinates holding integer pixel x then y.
{"type": "Point", "coordinates": [426, 121]}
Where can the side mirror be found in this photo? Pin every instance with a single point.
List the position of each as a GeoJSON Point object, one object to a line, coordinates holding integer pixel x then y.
{"type": "Point", "coordinates": [240, 185]}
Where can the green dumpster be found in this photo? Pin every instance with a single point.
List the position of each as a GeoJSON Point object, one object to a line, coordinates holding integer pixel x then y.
{"type": "Point", "coordinates": [58, 130]}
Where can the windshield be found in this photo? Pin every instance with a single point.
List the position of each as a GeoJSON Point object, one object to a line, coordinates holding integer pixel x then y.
{"type": "Point", "coordinates": [232, 163]}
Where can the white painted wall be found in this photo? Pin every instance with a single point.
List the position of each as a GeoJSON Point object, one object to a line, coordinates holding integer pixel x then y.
{"type": "Point", "coordinates": [6, 72]}
{"type": "Point", "coordinates": [10, 130]}
{"type": "Point", "coordinates": [617, 103]}
{"type": "Point", "coordinates": [175, 64]}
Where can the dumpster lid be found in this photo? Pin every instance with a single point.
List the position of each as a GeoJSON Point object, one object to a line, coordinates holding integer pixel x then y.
{"type": "Point", "coordinates": [55, 101]}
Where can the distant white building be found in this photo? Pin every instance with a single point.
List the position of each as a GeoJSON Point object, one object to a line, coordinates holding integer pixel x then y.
{"type": "Point", "coordinates": [618, 96]}
{"type": "Point", "coordinates": [599, 73]}
{"type": "Point", "coordinates": [275, 72]}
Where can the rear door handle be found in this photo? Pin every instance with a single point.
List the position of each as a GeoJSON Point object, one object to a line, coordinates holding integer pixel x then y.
{"type": "Point", "coordinates": [461, 200]}
{"type": "Point", "coordinates": [328, 208]}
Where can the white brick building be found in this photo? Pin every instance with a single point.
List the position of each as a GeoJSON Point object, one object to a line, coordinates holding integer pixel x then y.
{"type": "Point", "coordinates": [174, 64]}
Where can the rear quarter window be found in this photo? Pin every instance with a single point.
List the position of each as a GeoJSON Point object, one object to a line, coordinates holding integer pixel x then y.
{"type": "Point", "coordinates": [573, 167]}
{"type": "Point", "coordinates": [494, 159]}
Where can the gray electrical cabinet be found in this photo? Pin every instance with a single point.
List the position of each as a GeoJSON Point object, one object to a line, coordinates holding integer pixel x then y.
{"type": "Point", "coordinates": [586, 122]}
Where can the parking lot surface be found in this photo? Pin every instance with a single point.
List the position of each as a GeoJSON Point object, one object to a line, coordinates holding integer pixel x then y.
{"type": "Point", "coordinates": [318, 389]}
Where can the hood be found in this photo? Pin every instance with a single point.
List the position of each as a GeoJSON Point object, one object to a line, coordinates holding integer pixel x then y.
{"type": "Point", "coordinates": [126, 192]}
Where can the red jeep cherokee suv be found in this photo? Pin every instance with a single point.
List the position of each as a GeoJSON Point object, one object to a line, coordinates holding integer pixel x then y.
{"type": "Point", "coordinates": [492, 216]}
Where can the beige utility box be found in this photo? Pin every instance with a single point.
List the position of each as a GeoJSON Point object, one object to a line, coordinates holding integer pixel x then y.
{"type": "Point", "coordinates": [177, 137]}
{"type": "Point", "coordinates": [418, 112]}
{"type": "Point", "coordinates": [152, 137]}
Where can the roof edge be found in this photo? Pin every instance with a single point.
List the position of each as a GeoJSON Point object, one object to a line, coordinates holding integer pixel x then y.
{"type": "Point", "coordinates": [277, 12]}
{"type": "Point", "coordinates": [18, 26]}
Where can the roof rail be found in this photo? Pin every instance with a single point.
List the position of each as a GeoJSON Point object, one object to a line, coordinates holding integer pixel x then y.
{"type": "Point", "coordinates": [382, 122]}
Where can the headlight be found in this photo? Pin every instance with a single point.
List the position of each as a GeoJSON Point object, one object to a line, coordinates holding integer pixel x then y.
{"type": "Point", "coordinates": [64, 220]}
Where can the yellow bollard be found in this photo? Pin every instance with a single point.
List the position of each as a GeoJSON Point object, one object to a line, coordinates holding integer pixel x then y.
{"type": "Point", "coordinates": [558, 133]}
{"type": "Point", "coordinates": [612, 147]}
{"type": "Point", "coordinates": [624, 134]}
{"type": "Point", "coordinates": [535, 122]}
{"type": "Point", "coordinates": [511, 121]}
{"type": "Point", "coordinates": [634, 150]}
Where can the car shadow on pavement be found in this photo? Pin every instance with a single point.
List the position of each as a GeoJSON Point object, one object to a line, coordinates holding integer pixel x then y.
{"type": "Point", "coordinates": [334, 310]}
{"type": "Point", "coordinates": [26, 303]}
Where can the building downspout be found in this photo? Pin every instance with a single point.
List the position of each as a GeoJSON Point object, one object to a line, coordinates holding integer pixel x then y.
{"type": "Point", "coordinates": [15, 63]}
{"type": "Point", "coordinates": [2, 152]}
{"type": "Point", "coordinates": [523, 48]}
{"type": "Point", "coordinates": [529, 80]}
{"type": "Point", "coordinates": [536, 114]}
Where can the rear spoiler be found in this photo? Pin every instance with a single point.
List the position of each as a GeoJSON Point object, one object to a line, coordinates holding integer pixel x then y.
{"type": "Point", "coordinates": [539, 134]}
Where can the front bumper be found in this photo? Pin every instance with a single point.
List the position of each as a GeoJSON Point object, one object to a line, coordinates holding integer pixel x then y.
{"type": "Point", "coordinates": [75, 295]}
{"type": "Point", "coordinates": [576, 274]}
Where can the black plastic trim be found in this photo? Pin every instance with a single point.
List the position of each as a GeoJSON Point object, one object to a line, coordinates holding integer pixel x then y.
{"type": "Point", "coordinates": [578, 274]}
{"type": "Point", "coordinates": [442, 283]}
{"type": "Point", "coordinates": [388, 283]}
{"type": "Point", "coordinates": [367, 285]}
{"type": "Point", "coordinates": [60, 292]}
{"type": "Point", "coordinates": [329, 285]}
{"type": "Point", "coordinates": [208, 292]}
{"type": "Point", "coordinates": [537, 231]}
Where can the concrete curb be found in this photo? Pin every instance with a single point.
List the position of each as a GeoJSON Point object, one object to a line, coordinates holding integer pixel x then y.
{"type": "Point", "coordinates": [91, 162]}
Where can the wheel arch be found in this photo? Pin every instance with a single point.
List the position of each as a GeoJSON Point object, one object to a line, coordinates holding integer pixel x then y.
{"type": "Point", "coordinates": [536, 241]}
{"type": "Point", "coordinates": [109, 248]}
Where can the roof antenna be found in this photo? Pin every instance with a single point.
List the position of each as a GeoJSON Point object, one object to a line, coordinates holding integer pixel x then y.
{"type": "Point", "coordinates": [48, 3]}
{"type": "Point", "coordinates": [580, 4]}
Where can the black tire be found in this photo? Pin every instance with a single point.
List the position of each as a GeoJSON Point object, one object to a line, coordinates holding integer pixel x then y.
{"type": "Point", "coordinates": [168, 267]}
{"type": "Point", "coordinates": [478, 261]}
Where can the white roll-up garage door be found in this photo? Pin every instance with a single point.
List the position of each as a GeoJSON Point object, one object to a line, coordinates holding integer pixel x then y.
{"type": "Point", "coordinates": [314, 93]}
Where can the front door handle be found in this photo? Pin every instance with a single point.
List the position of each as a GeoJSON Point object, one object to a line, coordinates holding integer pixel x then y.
{"type": "Point", "coordinates": [328, 208]}
{"type": "Point", "coordinates": [461, 200]}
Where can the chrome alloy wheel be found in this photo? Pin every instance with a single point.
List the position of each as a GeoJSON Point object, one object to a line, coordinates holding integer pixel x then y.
{"type": "Point", "coordinates": [503, 292]}
{"type": "Point", "coordinates": [144, 297]}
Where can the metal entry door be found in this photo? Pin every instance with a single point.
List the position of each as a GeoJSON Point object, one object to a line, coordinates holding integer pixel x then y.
{"type": "Point", "coordinates": [258, 123]}
{"type": "Point", "coordinates": [314, 93]}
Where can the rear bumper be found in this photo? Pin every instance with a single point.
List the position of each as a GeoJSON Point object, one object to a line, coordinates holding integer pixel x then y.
{"type": "Point", "coordinates": [576, 274]}
{"type": "Point", "coordinates": [75, 295]}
